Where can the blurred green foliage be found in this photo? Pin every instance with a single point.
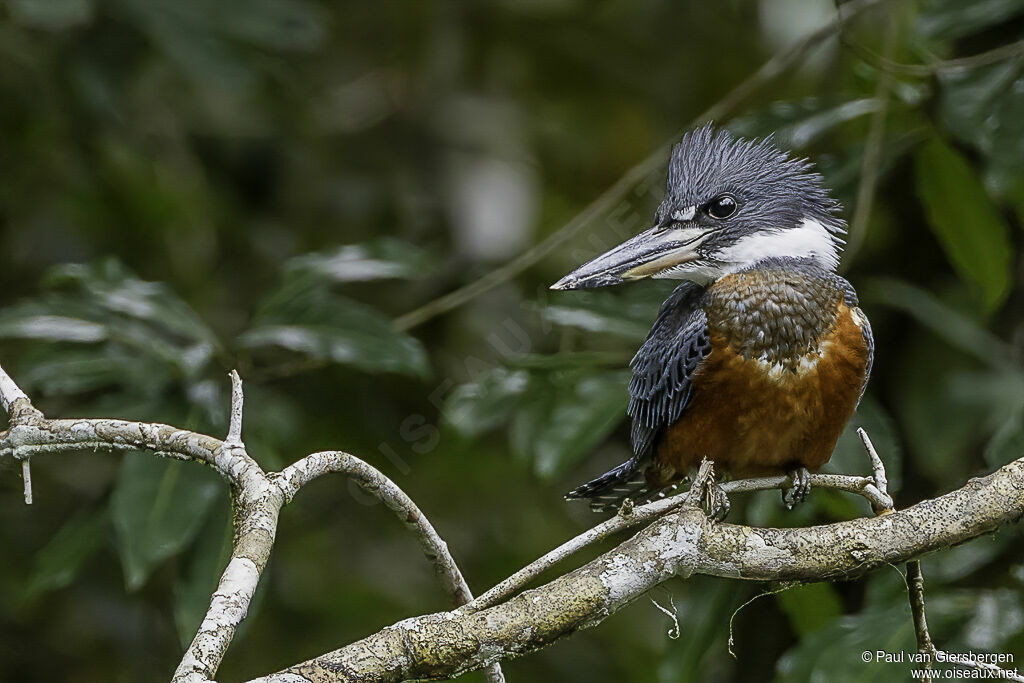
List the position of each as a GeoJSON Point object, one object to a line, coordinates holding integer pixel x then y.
{"type": "Point", "coordinates": [191, 186]}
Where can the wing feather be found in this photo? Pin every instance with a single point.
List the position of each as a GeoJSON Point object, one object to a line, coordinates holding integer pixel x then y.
{"type": "Point", "coordinates": [661, 386]}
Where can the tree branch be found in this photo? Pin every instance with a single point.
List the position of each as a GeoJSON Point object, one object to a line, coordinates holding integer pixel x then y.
{"type": "Point", "coordinates": [237, 404]}
{"type": "Point", "coordinates": [297, 475]}
{"type": "Point", "coordinates": [258, 498]}
{"type": "Point", "coordinates": [863, 486]}
{"type": "Point", "coordinates": [680, 544]}
{"type": "Point", "coordinates": [17, 405]}
{"type": "Point", "coordinates": [679, 541]}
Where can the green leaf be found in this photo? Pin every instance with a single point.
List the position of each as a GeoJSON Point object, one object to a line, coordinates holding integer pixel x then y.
{"type": "Point", "coordinates": [583, 410]}
{"type": "Point", "coordinates": [940, 424]}
{"type": "Point", "coordinates": [28, 322]}
{"type": "Point", "coordinates": [833, 653]}
{"type": "Point", "coordinates": [985, 108]}
{"type": "Point", "coordinates": [810, 607]}
{"type": "Point", "coordinates": [556, 413]}
{"type": "Point", "coordinates": [110, 285]}
{"type": "Point", "coordinates": [157, 507]}
{"type": "Point", "coordinates": [63, 372]}
{"type": "Point", "coordinates": [954, 327]}
{"type": "Point", "coordinates": [945, 19]}
{"type": "Point", "coordinates": [272, 24]}
{"type": "Point", "coordinates": [382, 258]}
{"type": "Point", "coordinates": [626, 315]}
{"type": "Point", "coordinates": [970, 229]}
{"type": "Point", "coordinates": [59, 562]}
{"type": "Point", "coordinates": [477, 407]}
{"type": "Point", "coordinates": [800, 123]}
{"type": "Point", "coordinates": [305, 317]}
{"type": "Point", "coordinates": [51, 14]}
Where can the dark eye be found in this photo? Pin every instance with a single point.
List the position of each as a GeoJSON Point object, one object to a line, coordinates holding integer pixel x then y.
{"type": "Point", "coordinates": [721, 207]}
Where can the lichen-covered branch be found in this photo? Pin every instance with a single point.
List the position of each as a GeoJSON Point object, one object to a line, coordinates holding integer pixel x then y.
{"type": "Point", "coordinates": [863, 486]}
{"type": "Point", "coordinates": [297, 475]}
{"type": "Point", "coordinates": [678, 541]}
{"type": "Point", "coordinates": [257, 501]}
{"type": "Point", "coordinates": [682, 543]}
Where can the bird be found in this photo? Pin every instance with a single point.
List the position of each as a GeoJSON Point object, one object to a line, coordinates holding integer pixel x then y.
{"type": "Point", "coordinates": [759, 357]}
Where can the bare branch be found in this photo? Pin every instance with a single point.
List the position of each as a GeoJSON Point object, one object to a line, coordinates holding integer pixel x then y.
{"type": "Point", "coordinates": [877, 466]}
{"type": "Point", "coordinates": [61, 436]}
{"type": "Point", "coordinates": [297, 475]}
{"type": "Point", "coordinates": [679, 544]}
{"type": "Point", "coordinates": [18, 406]}
{"type": "Point", "coordinates": [14, 401]}
{"type": "Point", "coordinates": [256, 513]}
{"type": "Point", "coordinates": [938, 66]}
{"type": "Point", "coordinates": [257, 501]}
{"type": "Point", "coordinates": [863, 486]}
{"type": "Point", "coordinates": [237, 400]}
{"type": "Point", "coordinates": [915, 587]}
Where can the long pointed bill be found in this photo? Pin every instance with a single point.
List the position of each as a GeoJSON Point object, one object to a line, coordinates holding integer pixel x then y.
{"type": "Point", "coordinates": [649, 254]}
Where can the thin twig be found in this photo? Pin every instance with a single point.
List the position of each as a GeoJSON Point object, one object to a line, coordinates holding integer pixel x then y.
{"type": "Point", "coordinates": [914, 579]}
{"type": "Point", "coordinates": [777, 65]}
{"type": "Point", "coordinates": [315, 465]}
{"type": "Point", "coordinates": [877, 466]}
{"type": "Point", "coordinates": [915, 589]}
{"type": "Point", "coordinates": [234, 438]}
{"type": "Point", "coordinates": [19, 408]}
{"type": "Point", "coordinates": [10, 396]}
{"type": "Point", "coordinates": [871, 161]}
{"type": "Point", "coordinates": [26, 475]}
{"type": "Point", "coordinates": [862, 486]}
{"type": "Point", "coordinates": [445, 644]}
{"type": "Point", "coordinates": [939, 66]}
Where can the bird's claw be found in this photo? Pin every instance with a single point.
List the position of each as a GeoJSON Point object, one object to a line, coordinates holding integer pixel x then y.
{"type": "Point", "coordinates": [800, 488]}
{"type": "Point", "coordinates": [714, 501]}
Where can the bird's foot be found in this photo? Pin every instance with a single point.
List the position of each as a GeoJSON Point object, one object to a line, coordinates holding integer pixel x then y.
{"type": "Point", "coordinates": [714, 501]}
{"type": "Point", "coordinates": [797, 492]}
{"type": "Point", "coordinates": [707, 493]}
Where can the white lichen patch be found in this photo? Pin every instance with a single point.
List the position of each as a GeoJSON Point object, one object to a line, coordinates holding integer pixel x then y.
{"type": "Point", "coordinates": [756, 545]}
{"type": "Point", "coordinates": [230, 602]}
{"type": "Point", "coordinates": [622, 578]}
{"type": "Point", "coordinates": [82, 430]}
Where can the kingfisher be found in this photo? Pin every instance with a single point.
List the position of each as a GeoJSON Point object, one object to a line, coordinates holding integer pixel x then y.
{"type": "Point", "coordinates": [759, 357]}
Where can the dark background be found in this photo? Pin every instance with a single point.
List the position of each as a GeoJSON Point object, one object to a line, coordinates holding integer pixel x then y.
{"type": "Point", "coordinates": [188, 186]}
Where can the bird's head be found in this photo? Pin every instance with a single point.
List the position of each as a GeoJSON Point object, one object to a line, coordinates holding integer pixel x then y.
{"type": "Point", "coordinates": [729, 203]}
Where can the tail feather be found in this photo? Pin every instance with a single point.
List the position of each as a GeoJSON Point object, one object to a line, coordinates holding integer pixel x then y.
{"type": "Point", "coordinates": [611, 489]}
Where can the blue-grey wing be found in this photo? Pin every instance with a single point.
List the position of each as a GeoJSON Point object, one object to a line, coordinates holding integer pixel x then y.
{"type": "Point", "coordinates": [664, 367]}
{"type": "Point", "coordinates": [663, 370]}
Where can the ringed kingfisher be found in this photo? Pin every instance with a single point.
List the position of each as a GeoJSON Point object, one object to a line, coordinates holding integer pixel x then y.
{"type": "Point", "coordinates": [760, 356]}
